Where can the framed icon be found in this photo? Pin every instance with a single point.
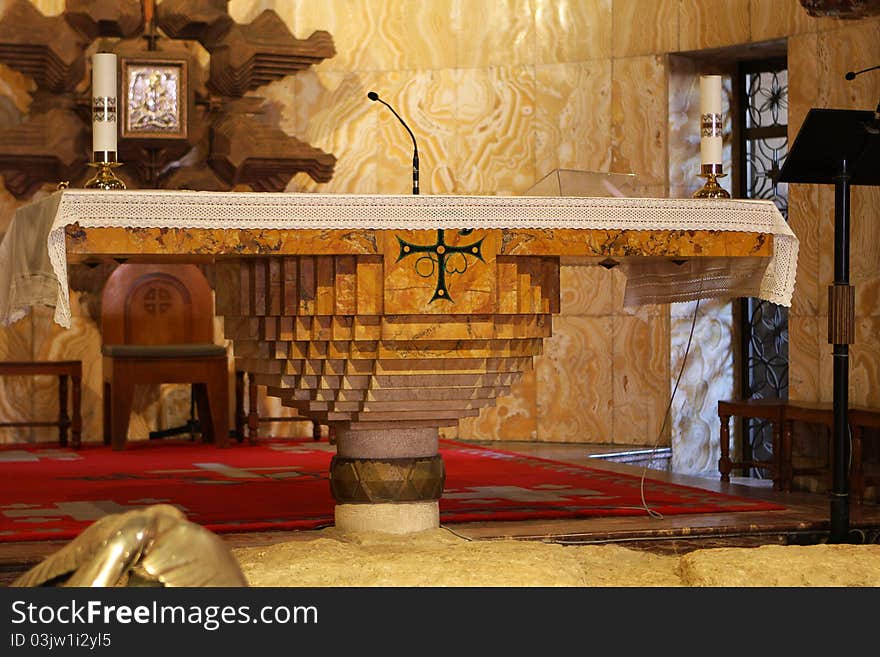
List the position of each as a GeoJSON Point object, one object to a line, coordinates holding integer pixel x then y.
{"type": "Point", "coordinates": [155, 98]}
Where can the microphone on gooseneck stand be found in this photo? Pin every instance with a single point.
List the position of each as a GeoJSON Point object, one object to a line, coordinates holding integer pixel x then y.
{"type": "Point", "coordinates": [875, 128]}
{"type": "Point", "coordinates": [851, 75]}
{"type": "Point", "coordinates": [374, 97]}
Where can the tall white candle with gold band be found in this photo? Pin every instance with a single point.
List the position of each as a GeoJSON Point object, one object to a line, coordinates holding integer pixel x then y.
{"type": "Point", "coordinates": [710, 119]}
{"type": "Point", "coordinates": [104, 104]}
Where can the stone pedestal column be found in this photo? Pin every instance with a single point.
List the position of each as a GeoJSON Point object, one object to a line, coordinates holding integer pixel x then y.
{"type": "Point", "coordinates": [387, 480]}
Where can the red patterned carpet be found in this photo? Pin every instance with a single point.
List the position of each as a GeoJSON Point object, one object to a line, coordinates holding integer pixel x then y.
{"type": "Point", "coordinates": [52, 493]}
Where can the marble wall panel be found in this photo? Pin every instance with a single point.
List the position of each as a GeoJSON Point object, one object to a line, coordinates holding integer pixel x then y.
{"type": "Point", "coordinates": [806, 347]}
{"type": "Point", "coordinates": [825, 227]}
{"type": "Point", "coordinates": [332, 113]}
{"type": "Point", "coordinates": [413, 34]}
{"type": "Point", "coordinates": [865, 255]}
{"type": "Point", "coordinates": [493, 33]}
{"type": "Point", "coordinates": [638, 98]}
{"type": "Point", "coordinates": [803, 204]}
{"type": "Point", "coordinates": [640, 361]}
{"type": "Point", "coordinates": [852, 46]}
{"type": "Point", "coordinates": [82, 341]}
{"type": "Point", "coordinates": [864, 261]}
{"type": "Point", "coordinates": [864, 376]}
{"type": "Point", "coordinates": [495, 138]}
{"type": "Point", "coordinates": [712, 23]}
{"type": "Point", "coordinates": [573, 117]}
{"type": "Point", "coordinates": [803, 77]}
{"type": "Point", "coordinates": [575, 392]}
{"type": "Point", "coordinates": [572, 30]}
{"type": "Point", "coordinates": [644, 27]}
{"type": "Point", "coordinates": [585, 290]}
{"type": "Point", "coordinates": [16, 392]}
{"type": "Point", "coordinates": [804, 215]}
{"type": "Point", "coordinates": [772, 19]}
{"type": "Point", "coordinates": [703, 374]}
{"type": "Point", "coordinates": [683, 131]}
{"type": "Point", "coordinates": [513, 417]}
{"type": "Point", "coordinates": [370, 35]}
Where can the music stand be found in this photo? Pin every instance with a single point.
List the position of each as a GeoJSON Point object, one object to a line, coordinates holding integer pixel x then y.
{"type": "Point", "coordinates": [842, 148]}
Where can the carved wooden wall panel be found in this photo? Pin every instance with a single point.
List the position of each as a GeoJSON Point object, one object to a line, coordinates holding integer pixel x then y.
{"type": "Point", "coordinates": [48, 49]}
{"type": "Point", "coordinates": [228, 139]}
{"type": "Point", "coordinates": [846, 9]}
{"type": "Point", "coordinates": [112, 19]}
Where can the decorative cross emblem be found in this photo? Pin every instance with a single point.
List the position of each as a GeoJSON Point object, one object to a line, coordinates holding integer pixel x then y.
{"type": "Point", "coordinates": [441, 257]}
{"type": "Point", "coordinates": [157, 301]}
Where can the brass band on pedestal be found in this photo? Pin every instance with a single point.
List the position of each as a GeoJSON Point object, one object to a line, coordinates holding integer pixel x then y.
{"type": "Point", "coordinates": [386, 480]}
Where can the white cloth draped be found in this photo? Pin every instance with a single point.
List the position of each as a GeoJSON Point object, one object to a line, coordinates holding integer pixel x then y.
{"type": "Point", "coordinates": [33, 264]}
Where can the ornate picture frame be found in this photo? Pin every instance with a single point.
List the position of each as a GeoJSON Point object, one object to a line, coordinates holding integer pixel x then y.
{"type": "Point", "coordinates": [154, 97]}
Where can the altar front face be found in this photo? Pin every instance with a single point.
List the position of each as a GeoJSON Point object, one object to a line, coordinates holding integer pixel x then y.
{"type": "Point", "coordinates": [390, 317]}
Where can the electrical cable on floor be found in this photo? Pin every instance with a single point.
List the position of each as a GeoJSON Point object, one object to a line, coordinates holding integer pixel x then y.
{"type": "Point", "coordinates": [455, 533]}
{"type": "Point", "coordinates": [651, 512]}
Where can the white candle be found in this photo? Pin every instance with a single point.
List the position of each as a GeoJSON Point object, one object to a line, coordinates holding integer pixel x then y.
{"type": "Point", "coordinates": [710, 119]}
{"type": "Point", "coordinates": [104, 124]}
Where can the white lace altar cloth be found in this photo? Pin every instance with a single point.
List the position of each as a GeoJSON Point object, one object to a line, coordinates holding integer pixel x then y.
{"type": "Point", "coordinates": [33, 260]}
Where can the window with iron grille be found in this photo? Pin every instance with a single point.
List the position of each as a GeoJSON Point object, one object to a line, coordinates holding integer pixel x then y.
{"type": "Point", "coordinates": [763, 356]}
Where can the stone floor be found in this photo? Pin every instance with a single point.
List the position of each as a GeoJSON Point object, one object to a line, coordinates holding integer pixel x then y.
{"type": "Point", "coordinates": [442, 558]}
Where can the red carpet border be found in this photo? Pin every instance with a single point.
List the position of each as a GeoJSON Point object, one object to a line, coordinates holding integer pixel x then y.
{"type": "Point", "coordinates": [50, 493]}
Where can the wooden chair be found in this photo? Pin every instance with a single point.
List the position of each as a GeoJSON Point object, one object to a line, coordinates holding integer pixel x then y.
{"type": "Point", "coordinates": [158, 327]}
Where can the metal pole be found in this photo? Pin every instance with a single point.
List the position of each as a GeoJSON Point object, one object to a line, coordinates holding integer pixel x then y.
{"type": "Point", "coordinates": [841, 325]}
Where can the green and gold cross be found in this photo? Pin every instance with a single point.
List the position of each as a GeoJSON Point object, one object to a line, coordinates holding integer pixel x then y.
{"type": "Point", "coordinates": [441, 258]}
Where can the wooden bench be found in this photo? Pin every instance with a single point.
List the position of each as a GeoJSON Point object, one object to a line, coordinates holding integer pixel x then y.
{"type": "Point", "coordinates": [64, 370]}
{"type": "Point", "coordinates": [782, 414]}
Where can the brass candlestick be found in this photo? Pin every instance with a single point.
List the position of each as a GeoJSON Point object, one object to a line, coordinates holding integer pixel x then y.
{"type": "Point", "coordinates": [104, 178]}
{"type": "Point", "coordinates": [711, 188]}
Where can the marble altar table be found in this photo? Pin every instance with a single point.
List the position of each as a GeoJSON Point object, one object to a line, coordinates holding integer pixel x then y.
{"type": "Point", "coordinates": [388, 317]}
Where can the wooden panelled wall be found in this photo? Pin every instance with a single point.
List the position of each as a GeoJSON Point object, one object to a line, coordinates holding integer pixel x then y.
{"type": "Point", "coordinates": [500, 93]}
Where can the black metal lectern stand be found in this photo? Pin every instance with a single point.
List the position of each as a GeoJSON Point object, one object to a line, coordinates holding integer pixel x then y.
{"type": "Point", "coordinates": [839, 147]}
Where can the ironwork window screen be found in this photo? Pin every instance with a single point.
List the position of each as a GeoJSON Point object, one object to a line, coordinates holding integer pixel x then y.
{"type": "Point", "coordinates": [763, 356]}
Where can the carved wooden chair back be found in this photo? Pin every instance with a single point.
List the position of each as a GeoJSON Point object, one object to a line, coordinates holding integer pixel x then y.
{"type": "Point", "coordinates": [157, 323]}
